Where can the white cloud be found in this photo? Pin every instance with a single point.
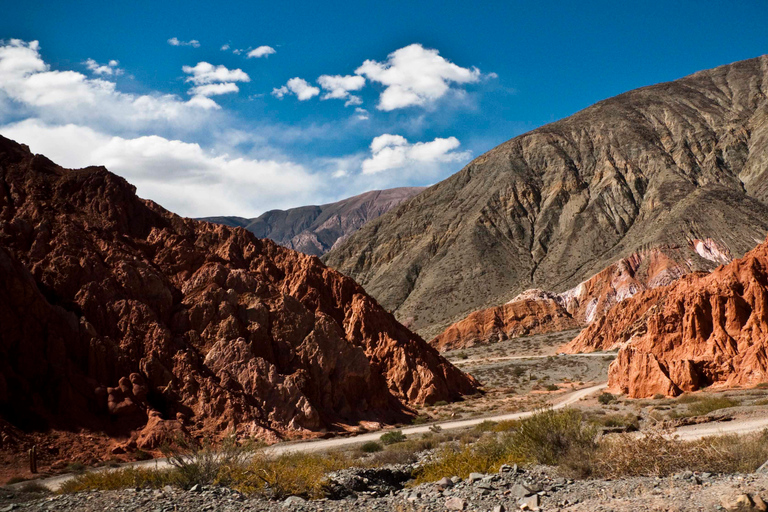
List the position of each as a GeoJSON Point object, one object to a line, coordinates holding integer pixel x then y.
{"type": "Point", "coordinates": [415, 76]}
{"type": "Point", "coordinates": [180, 176]}
{"type": "Point", "coordinates": [194, 43]}
{"type": "Point", "coordinates": [362, 114]}
{"type": "Point", "coordinates": [224, 47]}
{"type": "Point", "coordinates": [214, 89]}
{"type": "Point", "coordinates": [261, 51]}
{"type": "Point", "coordinates": [395, 152]}
{"type": "Point", "coordinates": [353, 100]}
{"type": "Point", "coordinates": [339, 86]}
{"type": "Point", "coordinates": [68, 96]}
{"type": "Point", "coordinates": [205, 73]}
{"type": "Point", "coordinates": [297, 86]}
{"type": "Point", "coordinates": [103, 69]}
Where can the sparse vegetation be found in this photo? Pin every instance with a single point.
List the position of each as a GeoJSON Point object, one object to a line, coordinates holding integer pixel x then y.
{"type": "Point", "coordinates": [371, 447]}
{"type": "Point", "coordinates": [396, 436]}
{"type": "Point", "coordinates": [699, 405]}
{"type": "Point", "coordinates": [606, 398]}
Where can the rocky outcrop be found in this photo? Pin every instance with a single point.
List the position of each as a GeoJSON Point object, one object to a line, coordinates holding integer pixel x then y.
{"type": "Point", "coordinates": [657, 166]}
{"type": "Point", "coordinates": [316, 230]}
{"type": "Point", "coordinates": [118, 316]}
{"type": "Point", "coordinates": [531, 313]}
{"type": "Point", "coordinates": [702, 330]}
{"type": "Point", "coordinates": [538, 312]}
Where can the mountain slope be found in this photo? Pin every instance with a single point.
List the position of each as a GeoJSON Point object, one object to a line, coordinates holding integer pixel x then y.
{"type": "Point", "coordinates": [317, 229]}
{"type": "Point", "coordinates": [661, 165]}
{"type": "Point", "coordinates": [120, 317]}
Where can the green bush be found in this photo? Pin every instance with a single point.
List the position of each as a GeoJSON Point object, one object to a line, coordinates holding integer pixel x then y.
{"type": "Point", "coordinates": [552, 387]}
{"type": "Point", "coordinates": [371, 447]}
{"type": "Point", "coordinates": [606, 398]}
{"type": "Point", "coordinates": [396, 436]}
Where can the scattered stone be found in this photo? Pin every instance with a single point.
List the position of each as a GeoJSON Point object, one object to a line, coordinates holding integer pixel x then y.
{"type": "Point", "coordinates": [529, 503]}
{"type": "Point", "coordinates": [195, 488]}
{"type": "Point", "coordinates": [473, 477]}
{"type": "Point", "coordinates": [519, 491]}
{"type": "Point", "coordinates": [499, 508]}
{"type": "Point", "coordinates": [445, 482]}
{"type": "Point", "coordinates": [294, 501]}
{"type": "Point", "coordinates": [742, 503]}
{"type": "Point", "coordinates": [455, 503]}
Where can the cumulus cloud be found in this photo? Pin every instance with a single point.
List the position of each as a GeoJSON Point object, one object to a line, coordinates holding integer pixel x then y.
{"type": "Point", "coordinates": [194, 43]}
{"type": "Point", "coordinates": [36, 90]}
{"type": "Point", "coordinates": [224, 47]}
{"type": "Point", "coordinates": [214, 89]}
{"type": "Point", "coordinates": [415, 76]}
{"type": "Point", "coordinates": [181, 176]}
{"type": "Point", "coordinates": [395, 152]}
{"type": "Point", "coordinates": [338, 86]}
{"type": "Point", "coordinates": [297, 86]}
{"type": "Point", "coordinates": [103, 69]}
{"type": "Point", "coordinates": [261, 51]}
{"type": "Point", "coordinates": [362, 114]}
{"type": "Point", "coordinates": [205, 73]}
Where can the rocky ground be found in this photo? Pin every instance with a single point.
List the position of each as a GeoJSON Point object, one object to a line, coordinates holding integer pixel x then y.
{"type": "Point", "coordinates": [511, 489]}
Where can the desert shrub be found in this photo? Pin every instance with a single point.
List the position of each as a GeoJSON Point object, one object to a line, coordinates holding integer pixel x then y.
{"type": "Point", "coordinates": [371, 447]}
{"type": "Point", "coordinates": [616, 420]}
{"type": "Point", "coordinates": [420, 420]}
{"type": "Point", "coordinates": [440, 403]}
{"type": "Point", "coordinates": [699, 405]}
{"type": "Point", "coordinates": [483, 456]}
{"type": "Point", "coordinates": [203, 463]}
{"type": "Point", "coordinates": [486, 426]}
{"type": "Point", "coordinates": [552, 387]}
{"type": "Point", "coordinates": [606, 398]}
{"type": "Point", "coordinates": [292, 474]}
{"type": "Point", "coordinates": [549, 435]}
{"type": "Point", "coordinates": [396, 436]}
{"type": "Point", "coordinates": [16, 480]}
{"type": "Point", "coordinates": [545, 438]}
{"type": "Point", "coordinates": [658, 396]}
{"type": "Point", "coordinates": [119, 479]}
{"type": "Point", "coordinates": [655, 454]}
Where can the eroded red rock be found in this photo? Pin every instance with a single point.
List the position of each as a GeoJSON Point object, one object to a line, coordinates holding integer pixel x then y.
{"type": "Point", "coordinates": [539, 312]}
{"type": "Point", "coordinates": [702, 330]}
{"type": "Point", "coordinates": [118, 316]}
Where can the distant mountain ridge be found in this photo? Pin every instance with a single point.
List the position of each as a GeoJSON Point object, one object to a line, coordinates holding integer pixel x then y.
{"type": "Point", "coordinates": [661, 165]}
{"type": "Point", "coordinates": [316, 229]}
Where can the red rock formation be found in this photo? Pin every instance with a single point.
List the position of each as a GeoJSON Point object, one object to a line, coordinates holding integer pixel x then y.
{"type": "Point", "coordinates": [520, 317]}
{"type": "Point", "coordinates": [117, 316]}
{"type": "Point", "coordinates": [538, 312]}
{"type": "Point", "coordinates": [702, 330]}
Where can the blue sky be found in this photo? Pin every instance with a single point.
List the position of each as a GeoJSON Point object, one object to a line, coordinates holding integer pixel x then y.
{"type": "Point", "coordinates": [427, 86]}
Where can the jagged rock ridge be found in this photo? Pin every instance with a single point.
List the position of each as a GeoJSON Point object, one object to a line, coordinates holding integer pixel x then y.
{"type": "Point", "coordinates": [656, 166]}
{"type": "Point", "coordinates": [702, 330]}
{"type": "Point", "coordinates": [316, 230]}
{"type": "Point", "coordinates": [537, 311]}
{"type": "Point", "coordinates": [118, 316]}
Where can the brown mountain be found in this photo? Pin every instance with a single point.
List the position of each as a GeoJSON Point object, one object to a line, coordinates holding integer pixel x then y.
{"type": "Point", "coordinates": [316, 230]}
{"type": "Point", "coordinates": [118, 316]}
{"type": "Point", "coordinates": [702, 330]}
{"type": "Point", "coordinates": [658, 166]}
